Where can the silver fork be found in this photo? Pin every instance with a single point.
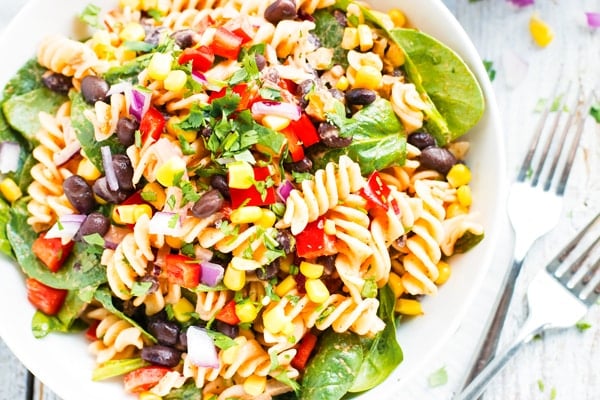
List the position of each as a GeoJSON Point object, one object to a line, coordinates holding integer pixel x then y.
{"type": "Point", "coordinates": [559, 296]}
{"type": "Point", "coordinates": [534, 207]}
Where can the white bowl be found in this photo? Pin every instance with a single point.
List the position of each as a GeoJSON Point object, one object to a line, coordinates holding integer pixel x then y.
{"type": "Point", "coordinates": [63, 363]}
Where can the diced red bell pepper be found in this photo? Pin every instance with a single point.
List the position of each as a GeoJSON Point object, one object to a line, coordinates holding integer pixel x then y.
{"type": "Point", "coordinates": [202, 58]}
{"type": "Point", "coordinates": [288, 85]}
{"type": "Point", "coordinates": [242, 28]}
{"type": "Point", "coordinates": [144, 378]}
{"type": "Point", "coordinates": [152, 124]}
{"type": "Point", "coordinates": [45, 298]}
{"type": "Point", "coordinates": [252, 196]}
{"type": "Point", "coordinates": [305, 130]}
{"type": "Point", "coordinates": [182, 270]}
{"type": "Point", "coordinates": [304, 350]}
{"type": "Point", "coordinates": [90, 332]}
{"type": "Point", "coordinates": [247, 95]}
{"type": "Point", "coordinates": [376, 192]}
{"type": "Point", "coordinates": [314, 242]}
{"type": "Point", "coordinates": [294, 145]}
{"type": "Point", "coordinates": [226, 44]}
{"type": "Point", "coordinates": [51, 251]}
{"type": "Point", "coordinates": [227, 314]}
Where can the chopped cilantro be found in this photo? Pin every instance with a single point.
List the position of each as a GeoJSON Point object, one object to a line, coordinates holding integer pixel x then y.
{"type": "Point", "coordinates": [270, 93]}
{"type": "Point", "coordinates": [195, 119]}
{"type": "Point", "coordinates": [91, 16]}
{"type": "Point", "coordinates": [369, 289]}
{"type": "Point", "coordinates": [94, 239]}
{"type": "Point", "coordinates": [140, 288]}
{"type": "Point", "coordinates": [438, 378]}
{"type": "Point", "coordinates": [171, 202]}
{"type": "Point", "coordinates": [188, 250]}
{"type": "Point", "coordinates": [553, 394]}
{"type": "Point", "coordinates": [138, 138]}
{"type": "Point", "coordinates": [489, 67]}
{"type": "Point", "coordinates": [222, 341]}
{"type": "Point", "coordinates": [595, 112]}
{"type": "Point", "coordinates": [270, 290]}
{"type": "Point", "coordinates": [301, 176]}
{"type": "Point", "coordinates": [149, 195]}
{"type": "Point", "coordinates": [155, 14]}
{"type": "Point", "coordinates": [141, 46]}
{"type": "Point", "coordinates": [189, 193]}
{"type": "Point", "coordinates": [583, 325]}
{"type": "Point", "coordinates": [540, 384]}
{"type": "Point", "coordinates": [248, 72]}
{"type": "Point", "coordinates": [186, 147]}
{"type": "Point", "coordinates": [173, 221]}
{"type": "Point", "coordinates": [293, 299]}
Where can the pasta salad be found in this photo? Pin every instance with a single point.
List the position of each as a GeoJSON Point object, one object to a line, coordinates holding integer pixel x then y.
{"type": "Point", "coordinates": [237, 199]}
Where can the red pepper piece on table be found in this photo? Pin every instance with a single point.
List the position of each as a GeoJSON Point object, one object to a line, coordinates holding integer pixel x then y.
{"type": "Point", "coordinates": [183, 270]}
{"type": "Point", "coordinates": [51, 252]}
{"type": "Point", "coordinates": [45, 298]}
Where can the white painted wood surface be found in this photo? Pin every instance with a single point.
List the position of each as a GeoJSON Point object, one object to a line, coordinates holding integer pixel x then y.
{"type": "Point", "coordinates": [567, 362]}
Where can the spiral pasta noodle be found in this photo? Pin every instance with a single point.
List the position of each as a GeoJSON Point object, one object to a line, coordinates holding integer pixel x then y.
{"type": "Point", "coordinates": [408, 105]}
{"type": "Point", "coordinates": [117, 338]}
{"type": "Point", "coordinates": [68, 57]}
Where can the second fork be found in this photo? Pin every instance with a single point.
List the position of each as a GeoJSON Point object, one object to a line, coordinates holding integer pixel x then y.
{"type": "Point", "coordinates": [535, 206]}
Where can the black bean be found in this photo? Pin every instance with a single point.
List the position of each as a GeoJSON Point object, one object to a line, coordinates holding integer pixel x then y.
{"type": "Point", "coordinates": [360, 97]}
{"type": "Point", "coordinates": [229, 330]}
{"type": "Point", "coordinates": [183, 38]}
{"type": "Point", "coordinates": [260, 60]}
{"type": "Point", "coordinates": [123, 171]}
{"type": "Point", "coordinates": [94, 89]}
{"type": "Point", "coordinates": [437, 158]}
{"type": "Point", "coordinates": [152, 35]}
{"type": "Point", "coordinates": [181, 344]}
{"type": "Point", "coordinates": [328, 263]}
{"type": "Point", "coordinates": [208, 204]}
{"type": "Point", "coordinates": [268, 271]}
{"type": "Point", "coordinates": [421, 140]}
{"type": "Point", "coordinates": [79, 193]}
{"type": "Point", "coordinates": [330, 136]}
{"type": "Point", "coordinates": [205, 132]}
{"type": "Point", "coordinates": [303, 89]}
{"type": "Point", "coordinates": [280, 10]}
{"type": "Point", "coordinates": [161, 355]}
{"type": "Point", "coordinates": [166, 332]}
{"type": "Point", "coordinates": [151, 277]}
{"type": "Point", "coordinates": [93, 223]}
{"type": "Point", "coordinates": [286, 241]}
{"type": "Point", "coordinates": [102, 190]}
{"type": "Point", "coordinates": [340, 17]}
{"type": "Point", "coordinates": [126, 127]}
{"type": "Point", "coordinates": [304, 165]}
{"type": "Point", "coordinates": [219, 182]}
{"type": "Point", "coordinates": [58, 83]}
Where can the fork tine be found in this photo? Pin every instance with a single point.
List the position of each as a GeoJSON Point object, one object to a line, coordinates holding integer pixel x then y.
{"type": "Point", "coordinates": [585, 288]}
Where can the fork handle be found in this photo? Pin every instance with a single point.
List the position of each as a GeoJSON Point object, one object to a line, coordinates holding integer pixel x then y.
{"type": "Point", "coordinates": [489, 345]}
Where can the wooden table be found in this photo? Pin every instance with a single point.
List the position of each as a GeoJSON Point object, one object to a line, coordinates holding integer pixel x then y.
{"type": "Point", "coordinates": [565, 364]}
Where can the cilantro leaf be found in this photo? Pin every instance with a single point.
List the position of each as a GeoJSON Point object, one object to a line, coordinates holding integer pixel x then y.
{"type": "Point", "coordinates": [438, 378]}
{"type": "Point", "coordinates": [91, 16]}
{"type": "Point", "coordinates": [489, 67]}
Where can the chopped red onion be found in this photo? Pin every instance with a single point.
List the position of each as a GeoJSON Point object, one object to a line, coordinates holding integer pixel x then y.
{"type": "Point", "coordinates": [9, 157]}
{"type": "Point", "coordinates": [165, 223]}
{"type": "Point", "coordinates": [593, 19]}
{"type": "Point", "coordinates": [199, 77]}
{"type": "Point", "coordinates": [521, 3]}
{"type": "Point", "coordinates": [109, 168]}
{"type": "Point", "coordinates": [66, 227]}
{"type": "Point", "coordinates": [269, 107]}
{"type": "Point", "coordinates": [211, 274]}
{"type": "Point", "coordinates": [66, 153]}
{"type": "Point", "coordinates": [140, 103]}
{"type": "Point", "coordinates": [284, 190]}
{"type": "Point", "coordinates": [201, 348]}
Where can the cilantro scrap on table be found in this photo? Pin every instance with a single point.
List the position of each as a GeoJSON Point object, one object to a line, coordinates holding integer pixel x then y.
{"type": "Point", "coordinates": [595, 112]}
{"type": "Point", "coordinates": [489, 68]}
{"type": "Point", "coordinates": [438, 378]}
{"type": "Point", "coordinates": [583, 325]}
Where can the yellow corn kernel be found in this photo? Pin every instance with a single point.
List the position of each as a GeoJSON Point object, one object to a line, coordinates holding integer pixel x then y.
{"type": "Point", "coordinates": [275, 122]}
{"type": "Point", "coordinates": [459, 175]}
{"type": "Point", "coordinates": [350, 39]}
{"type": "Point", "coordinates": [130, 213]}
{"type": "Point", "coordinates": [10, 190]}
{"type": "Point", "coordinates": [246, 311]}
{"type": "Point", "coordinates": [396, 285]}
{"type": "Point", "coordinates": [149, 396]}
{"type": "Point", "coordinates": [286, 263]}
{"type": "Point", "coordinates": [316, 291]}
{"type": "Point", "coordinates": [540, 31]}
{"type": "Point", "coordinates": [230, 354]}
{"type": "Point", "coordinates": [267, 218]}
{"type": "Point", "coordinates": [463, 194]}
{"type": "Point", "coordinates": [311, 270]}
{"type": "Point", "coordinates": [133, 4]}
{"type": "Point", "coordinates": [394, 55]}
{"type": "Point", "coordinates": [173, 242]}
{"type": "Point", "coordinates": [122, 54]}
{"type": "Point", "coordinates": [234, 279]}
{"type": "Point", "coordinates": [154, 194]}
{"type": "Point", "coordinates": [101, 37]}
{"type": "Point", "coordinates": [241, 175]}
{"type": "Point", "coordinates": [274, 320]}
{"type": "Point", "coordinates": [132, 32]}
{"type": "Point", "coordinates": [285, 286]}
{"type": "Point", "coordinates": [444, 271]}
{"type": "Point", "coordinates": [342, 84]}
{"type": "Point", "coordinates": [175, 80]}
{"type": "Point", "coordinates": [160, 66]}
{"type": "Point", "coordinates": [246, 215]}
{"type": "Point", "coordinates": [367, 77]}
{"type": "Point", "coordinates": [455, 209]}
{"type": "Point", "coordinates": [398, 17]}
{"type": "Point", "coordinates": [255, 385]}
{"type": "Point", "coordinates": [288, 328]}
{"type": "Point", "coordinates": [365, 37]}
{"type": "Point", "coordinates": [183, 309]}
{"type": "Point", "coordinates": [408, 307]}
{"type": "Point", "coordinates": [87, 170]}
{"type": "Point", "coordinates": [174, 129]}
{"type": "Point", "coordinates": [148, 4]}
{"type": "Point", "coordinates": [171, 171]}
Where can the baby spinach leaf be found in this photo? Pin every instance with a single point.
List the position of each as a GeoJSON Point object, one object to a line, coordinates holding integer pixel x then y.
{"type": "Point", "coordinates": [113, 368]}
{"type": "Point", "coordinates": [80, 270]}
{"type": "Point", "coordinates": [382, 354]}
{"type": "Point", "coordinates": [27, 78]}
{"type": "Point", "coordinates": [84, 130]}
{"type": "Point", "coordinates": [467, 241]}
{"type": "Point", "coordinates": [442, 76]}
{"type": "Point", "coordinates": [4, 216]}
{"type": "Point", "coordinates": [378, 139]}
{"type": "Point", "coordinates": [21, 111]}
{"type": "Point", "coordinates": [127, 71]}
{"type": "Point", "coordinates": [330, 373]}
{"type": "Point", "coordinates": [65, 321]}
{"type": "Point", "coordinates": [330, 33]}
{"type": "Point", "coordinates": [188, 391]}
{"type": "Point", "coordinates": [104, 296]}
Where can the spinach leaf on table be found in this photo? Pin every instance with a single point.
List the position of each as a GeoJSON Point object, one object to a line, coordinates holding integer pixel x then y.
{"type": "Point", "coordinates": [330, 33]}
{"type": "Point", "coordinates": [378, 139]}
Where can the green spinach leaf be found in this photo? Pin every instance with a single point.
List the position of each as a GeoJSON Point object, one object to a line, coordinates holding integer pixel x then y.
{"type": "Point", "coordinates": [378, 139]}
{"type": "Point", "coordinates": [4, 217]}
{"type": "Point", "coordinates": [127, 71]}
{"type": "Point", "coordinates": [330, 373]}
{"type": "Point", "coordinates": [114, 368]}
{"type": "Point", "coordinates": [189, 391]}
{"type": "Point", "coordinates": [80, 270]}
{"type": "Point", "coordinates": [330, 33]}
{"type": "Point", "coordinates": [27, 78]}
{"type": "Point", "coordinates": [65, 321]}
{"type": "Point", "coordinates": [467, 241]}
{"type": "Point", "coordinates": [382, 353]}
